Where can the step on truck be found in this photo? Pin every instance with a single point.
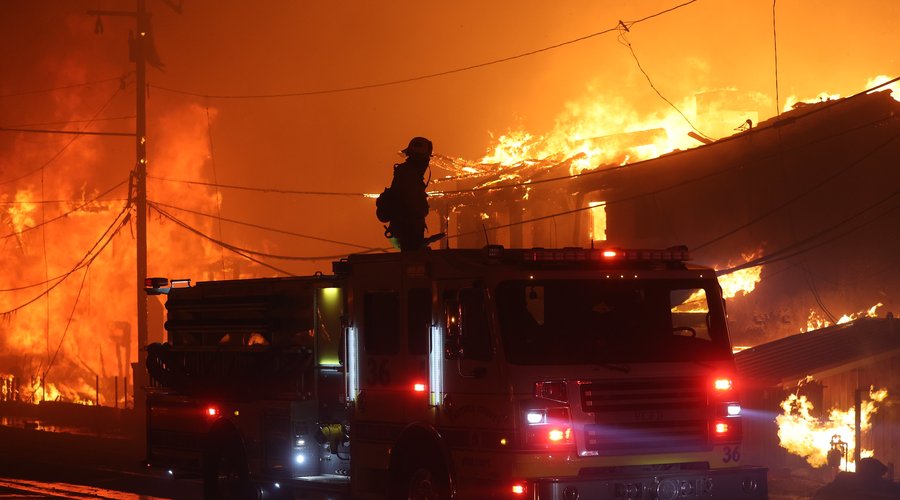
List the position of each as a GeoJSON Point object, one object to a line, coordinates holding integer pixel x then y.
{"type": "Point", "coordinates": [458, 373]}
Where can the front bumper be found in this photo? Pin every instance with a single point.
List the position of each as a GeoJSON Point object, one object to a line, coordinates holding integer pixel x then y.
{"type": "Point", "coordinates": [737, 483]}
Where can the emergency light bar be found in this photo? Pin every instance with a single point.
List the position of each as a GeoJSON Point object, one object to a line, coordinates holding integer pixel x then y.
{"type": "Point", "coordinates": [672, 254]}
{"type": "Point", "coordinates": [161, 286]}
{"type": "Point", "coordinates": [156, 286]}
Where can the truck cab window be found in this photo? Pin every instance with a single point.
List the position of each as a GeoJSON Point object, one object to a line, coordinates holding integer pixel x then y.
{"type": "Point", "coordinates": [381, 322]}
{"type": "Point", "coordinates": [418, 320]}
{"type": "Point", "coordinates": [690, 313]}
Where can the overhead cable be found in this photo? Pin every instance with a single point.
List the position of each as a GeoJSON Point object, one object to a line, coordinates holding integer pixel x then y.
{"type": "Point", "coordinates": [583, 174]}
{"type": "Point", "coordinates": [811, 188]}
{"type": "Point", "coordinates": [30, 126]}
{"type": "Point", "coordinates": [425, 76]}
{"type": "Point", "coordinates": [65, 214]}
{"type": "Point", "coordinates": [246, 253]}
{"type": "Point", "coordinates": [684, 183]}
{"type": "Point", "coordinates": [96, 249]}
{"type": "Point", "coordinates": [119, 78]}
{"type": "Point", "coordinates": [806, 244]}
{"type": "Point", "coordinates": [624, 41]}
{"type": "Point", "coordinates": [65, 132]}
{"type": "Point", "coordinates": [66, 145]}
{"type": "Point", "coordinates": [260, 189]}
{"type": "Point", "coordinates": [274, 230]}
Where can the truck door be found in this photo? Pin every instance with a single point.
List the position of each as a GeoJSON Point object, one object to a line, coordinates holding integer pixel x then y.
{"type": "Point", "coordinates": [392, 315]}
{"type": "Point", "coordinates": [471, 372]}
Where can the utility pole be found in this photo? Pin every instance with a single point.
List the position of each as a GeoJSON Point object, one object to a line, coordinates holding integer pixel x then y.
{"type": "Point", "coordinates": [139, 50]}
{"type": "Point", "coordinates": [140, 63]}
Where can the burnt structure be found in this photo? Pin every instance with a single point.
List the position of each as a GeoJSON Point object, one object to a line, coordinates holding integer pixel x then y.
{"type": "Point", "coordinates": [812, 194]}
{"type": "Point", "coordinates": [844, 362]}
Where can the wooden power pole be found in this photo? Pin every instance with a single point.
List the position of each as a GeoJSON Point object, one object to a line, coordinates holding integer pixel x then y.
{"type": "Point", "coordinates": [139, 51]}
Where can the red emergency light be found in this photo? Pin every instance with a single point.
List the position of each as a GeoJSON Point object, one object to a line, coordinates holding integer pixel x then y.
{"type": "Point", "coordinates": [519, 488]}
{"type": "Point", "coordinates": [723, 384]}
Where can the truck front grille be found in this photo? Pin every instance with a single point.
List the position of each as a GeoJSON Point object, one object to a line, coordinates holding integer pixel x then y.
{"type": "Point", "coordinates": [639, 415]}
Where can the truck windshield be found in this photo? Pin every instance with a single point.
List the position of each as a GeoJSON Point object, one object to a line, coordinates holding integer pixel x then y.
{"type": "Point", "coordinates": [591, 321]}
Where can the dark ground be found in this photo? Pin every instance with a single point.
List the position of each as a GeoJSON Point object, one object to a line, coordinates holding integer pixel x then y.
{"type": "Point", "coordinates": [94, 447]}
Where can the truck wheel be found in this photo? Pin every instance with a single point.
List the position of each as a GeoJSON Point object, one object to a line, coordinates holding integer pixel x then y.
{"type": "Point", "coordinates": [426, 480]}
{"type": "Point", "coordinates": [226, 476]}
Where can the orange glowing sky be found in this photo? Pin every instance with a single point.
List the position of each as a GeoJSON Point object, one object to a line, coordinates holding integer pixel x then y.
{"type": "Point", "coordinates": [347, 141]}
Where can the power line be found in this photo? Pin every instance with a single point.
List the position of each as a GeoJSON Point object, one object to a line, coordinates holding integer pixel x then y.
{"type": "Point", "coordinates": [244, 252]}
{"type": "Point", "coordinates": [624, 41]}
{"type": "Point", "coordinates": [65, 87]}
{"type": "Point", "coordinates": [533, 182]}
{"type": "Point", "coordinates": [212, 157]}
{"type": "Point", "coordinates": [812, 188]}
{"type": "Point", "coordinates": [680, 184]}
{"type": "Point", "coordinates": [67, 132]}
{"type": "Point", "coordinates": [257, 226]}
{"type": "Point", "coordinates": [96, 249]}
{"type": "Point", "coordinates": [800, 247]}
{"type": "Point", "coordinates": [64, 214]}
{"type": "Point", "coordinates": [70, 122]}
{"type": "Point", "coordinates": [247, 253]}
{"type": "Point", "coordinates": [684, 183]}
{"type": "Point", "coordinates": [48, 202]}
{"type": "Point", "coordinates": [68, 323]}
{"type": "Point", "coordinates": [65, 146]}
{"type": "Point", "coordinates": [231, 248]}
{"type": "Point", "coordinates": [262, 190]}
{"type": "Point", "coordinates": [611, 202]}
{"type": "Point", "coordinates": [426, 76]}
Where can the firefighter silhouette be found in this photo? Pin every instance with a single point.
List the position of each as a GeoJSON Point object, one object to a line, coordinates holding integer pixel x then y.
{"type": "Point", "coordinates": [404, 205]}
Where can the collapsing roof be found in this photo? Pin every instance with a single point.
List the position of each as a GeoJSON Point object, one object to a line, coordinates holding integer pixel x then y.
{"type": "Point", "coordinates": [819, 353]}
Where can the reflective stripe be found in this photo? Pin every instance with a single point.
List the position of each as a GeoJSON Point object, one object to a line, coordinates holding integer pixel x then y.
{"type": "Point", "coordinates": [352, 363]}
{"type": "Point", "coordinates": [436, 366]}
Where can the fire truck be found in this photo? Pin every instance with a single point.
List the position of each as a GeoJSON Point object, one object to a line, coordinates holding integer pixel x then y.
{"type": "Point", "coordinates": [456, 373]}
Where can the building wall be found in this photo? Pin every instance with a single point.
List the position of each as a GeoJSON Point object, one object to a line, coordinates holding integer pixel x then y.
{"type": "Point", "coordinates": [884, 435]}
{"type": "Point", "coordinates": [762, 405]}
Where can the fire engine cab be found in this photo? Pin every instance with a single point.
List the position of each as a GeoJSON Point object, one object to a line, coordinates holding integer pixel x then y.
{"type": "Point", "coordinates": [458, 373]}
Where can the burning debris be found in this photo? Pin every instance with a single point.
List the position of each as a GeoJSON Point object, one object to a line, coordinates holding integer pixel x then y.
{"type": "Point", "coordinates": [828, 441]}
{"type": "Point", "coordinates": [816, 321]}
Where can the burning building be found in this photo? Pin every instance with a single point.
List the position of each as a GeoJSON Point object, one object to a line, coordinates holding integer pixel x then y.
{"type": "Point", "coordinates": [803, 393]}
{"type": "Point", "coordinates": [803, 204]}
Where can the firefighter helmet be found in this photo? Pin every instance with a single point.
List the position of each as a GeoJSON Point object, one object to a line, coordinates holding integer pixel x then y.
{"type": "Point", "coordinates": [418, 146]}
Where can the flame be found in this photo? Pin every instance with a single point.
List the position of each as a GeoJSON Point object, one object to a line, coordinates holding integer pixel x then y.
{"type": "Point", "coordinates": [816, 321]}
{"type": "Point", "coordinates": [257, 339]}
{"type": "Point", "coordinates": [743, 281]}
{"type": "Point", "coordinates": [82, 334]}
{"type": "Point", "coordinates": [21, 212]}
{"type": "Point", "coordinates": [601, 130]}
{"type": "Point", "coordinates": [793, 102]}
{"type": "Point", "coordinates": [807, 436]}
{"type": "Point", "coordinates": [878, 80]}
{"type": "Point", "coordinates": [598, 220]}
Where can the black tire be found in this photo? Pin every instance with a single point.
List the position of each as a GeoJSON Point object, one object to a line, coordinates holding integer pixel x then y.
{"type": "Point", "coordinates": [423, 479]}
{"type": "Point", "coordinates": [225, 474]}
